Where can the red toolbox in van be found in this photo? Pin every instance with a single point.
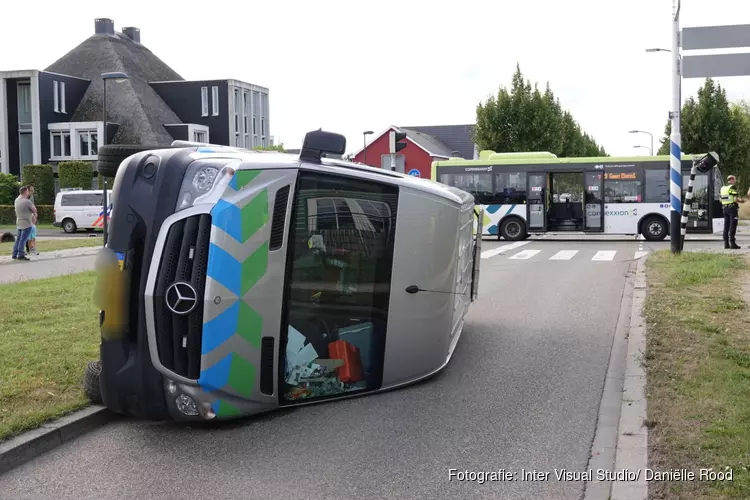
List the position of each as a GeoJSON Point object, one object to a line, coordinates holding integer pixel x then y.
{"type": "Point", "coordinates": [351, 371]}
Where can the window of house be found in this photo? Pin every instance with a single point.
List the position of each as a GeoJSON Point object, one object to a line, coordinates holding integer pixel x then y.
{"type": "Point", "coordinates": [255, 130]}
{"type": "Point", "coordinates": [338, 287]}
{"type": "Point", "coordinates": [215, 100]}
{"type": "Point", "coordinates": [60, 144]}
{"type": "Point", "coordinates": [87, 142]}
{"type": "Point", "coordinates": [246, 112]}
{"type": "Point", "coordinates": [62, 97]}
{"type": "Point", "coordinates": [510, 188]}
{"type": "Point", "coordinates": [248, 144]}
{"type": "Point", "coordinates": [623, 186]}
{"type": "Point", "coordinates": [55, 95]}
{"type": "Point", "coordinates": [204, 101]}
{"type": "Point", "coordinates": [656, 185]}
{"type": "Point", "coordinates": [263, 127]}
{"type": "Point", "coordinates": [200, 136]}
{"type": "Point", "coordinates": [24, 106]}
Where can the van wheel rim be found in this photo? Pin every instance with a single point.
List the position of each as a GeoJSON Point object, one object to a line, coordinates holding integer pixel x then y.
{"type": "Point", "coordinates": [513, 229]}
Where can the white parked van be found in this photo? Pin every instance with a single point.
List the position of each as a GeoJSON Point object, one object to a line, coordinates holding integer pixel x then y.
{"type": "Point", "coordinates": [78, 209]}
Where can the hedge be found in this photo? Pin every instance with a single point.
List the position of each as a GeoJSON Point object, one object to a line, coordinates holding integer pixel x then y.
{"type": "Point", "coordinates": [9, 186]}
{"type": "Point", "coordinates": [75, 174]}
{"type": "Point", "coordinates": [8, 214]}
{"type": "Point", "coordinates": [42, 177]}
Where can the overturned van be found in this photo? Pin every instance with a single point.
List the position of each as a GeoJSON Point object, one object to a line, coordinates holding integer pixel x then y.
{"type": "Point", "coordinates": [244, 281]}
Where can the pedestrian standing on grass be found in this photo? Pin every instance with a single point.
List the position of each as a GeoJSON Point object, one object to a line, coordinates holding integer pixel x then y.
{"type": "Point", "coordinates": [25, 211]}
{"type": "Point", "coordinates": [730, 200]}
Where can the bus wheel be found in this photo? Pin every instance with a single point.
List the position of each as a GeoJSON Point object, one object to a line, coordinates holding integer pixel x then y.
{"type": "Point", "coordinates": [513, 229]}
{"type": "Point", "coordinates": [654, 228]}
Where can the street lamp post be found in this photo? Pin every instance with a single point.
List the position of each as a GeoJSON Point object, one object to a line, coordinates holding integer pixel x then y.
{"type": "Point", "coordinates": [364, 141]}
{"type": "Point", "coordinates": [649, 134]}
{"type": "Point", "coordinates": [118, 77]}
{"type": "Point", "coordinates": [650, 149]}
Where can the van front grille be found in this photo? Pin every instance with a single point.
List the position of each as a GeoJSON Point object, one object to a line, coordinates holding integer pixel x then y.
{"type": "Point", "coordinates": [178, 295]}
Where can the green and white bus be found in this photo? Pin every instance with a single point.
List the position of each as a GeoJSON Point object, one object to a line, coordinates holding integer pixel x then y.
{"type": "Point", "coordinates": [535, 193]}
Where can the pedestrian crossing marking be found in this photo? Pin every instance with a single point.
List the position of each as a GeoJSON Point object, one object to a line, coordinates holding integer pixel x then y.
{"type": "Point", "coordinates": [604, 255]}
{"type": "Point", "coordinates": [525, 254]}
{"type": "Point", "coordinates": [567, 255]}
{"type": "Point", "coordinates": [564, 255]}
{"type": "Point", "coordinates": [502, 249]}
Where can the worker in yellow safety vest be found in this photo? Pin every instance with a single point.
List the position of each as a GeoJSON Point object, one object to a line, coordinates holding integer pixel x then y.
{"type": "Point", "coordinates": [730, 200]}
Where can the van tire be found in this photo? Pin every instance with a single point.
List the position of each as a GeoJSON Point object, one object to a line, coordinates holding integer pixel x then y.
{"type": "Point", "coordinates": [654, 228]}
{"type": "Point", "coordinates": [7, 237]}
{"type": "Point", "coordinates": [111, 156]}
{"type": "Point", "coordinates": [69, 226]}
{"type": "Point", "coordinates": [91, 376]}
{"type": "Point", "coordinates": [513, 229]}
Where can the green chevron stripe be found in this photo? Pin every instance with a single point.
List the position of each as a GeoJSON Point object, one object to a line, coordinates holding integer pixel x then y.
{"type": "Point", "coordinates": [241, 375]}
{"type": "Point", "coordinates": [225, 410]}
{"type": "Point", "coordinates": [254, 215]}
{"type": "Point", "coordinates": [254, 267]}
{"type": "Point", "coordinates": [249, 325]}
{"type": "Point", "coordinates": [245, 177]}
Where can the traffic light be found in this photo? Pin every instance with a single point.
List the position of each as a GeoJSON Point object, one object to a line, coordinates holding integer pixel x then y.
{"type": "Point", "coordinates": [395, 141]}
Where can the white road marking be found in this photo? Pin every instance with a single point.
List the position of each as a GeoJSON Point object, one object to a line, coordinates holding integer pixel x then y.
{"type": "Point", "coordinates": [502, 249]}
{"type": "Point", "coordinates": [526, 254]}
{"type": "Point", "coordinates": [639, 254]}
{"type": "Point", "coordinates": [564, 255]}
{"type": "Point", "coordinates": [604, 255]}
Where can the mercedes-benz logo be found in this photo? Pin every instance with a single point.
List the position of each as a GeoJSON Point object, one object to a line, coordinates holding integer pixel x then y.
{"type": "Point", "coordinates": [181, 298]}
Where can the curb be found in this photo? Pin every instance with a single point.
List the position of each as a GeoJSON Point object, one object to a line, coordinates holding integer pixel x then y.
{"type": "Point", "coordinates": [632, 436]}
{"type": "Point", "coordinates": [604, 446]}
{"type": "Point", "coordinates": [56, 254]}
{"type": "Point", "coordinates": [31, 444]}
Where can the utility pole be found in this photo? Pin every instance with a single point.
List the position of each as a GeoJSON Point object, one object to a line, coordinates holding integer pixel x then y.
{"type": "Point", "coordinates": [675, 139]}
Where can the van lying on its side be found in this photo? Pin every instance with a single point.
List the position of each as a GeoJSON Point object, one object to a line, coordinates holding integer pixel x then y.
{"type": "Point", "coordinates": [78, 209]}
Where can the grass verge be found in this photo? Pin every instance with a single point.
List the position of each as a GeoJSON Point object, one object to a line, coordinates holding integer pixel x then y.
{"type": "Point", "coordinates": [698, 365]}
{"type": "Point", "coordinates": [52, 245]}
{"type": "Point", "coordinates": [48, 332]}
{"type": "Point", "coordinates": [12, 227]}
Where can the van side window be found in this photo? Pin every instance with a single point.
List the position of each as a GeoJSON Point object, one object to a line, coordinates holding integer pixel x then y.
{"type": "Point", "coordinates": [73, 200]}
{"type": "Point", "coordinates": [338, 285]}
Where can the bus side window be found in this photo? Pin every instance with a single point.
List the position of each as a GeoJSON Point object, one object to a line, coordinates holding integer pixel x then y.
{"type": "Point", "coordinates": [510, 188]}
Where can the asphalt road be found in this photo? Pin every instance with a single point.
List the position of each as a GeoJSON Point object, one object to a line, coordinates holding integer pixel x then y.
{"type": "Point", "coordinates": [522, 392]}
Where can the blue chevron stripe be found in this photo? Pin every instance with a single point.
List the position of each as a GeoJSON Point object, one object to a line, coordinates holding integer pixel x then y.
{"type": "Point", "coordinates": [218, 330]}
{"type": "Point", "coordinates": [217, 376]}
{"type": "Point", "coordinates": [224, 268]}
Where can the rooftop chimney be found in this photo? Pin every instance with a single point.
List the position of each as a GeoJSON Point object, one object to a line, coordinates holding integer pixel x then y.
{"type": "Point", "coordinates": [132, 33]}
{"type": "Point", "coordinates": [104, 26]}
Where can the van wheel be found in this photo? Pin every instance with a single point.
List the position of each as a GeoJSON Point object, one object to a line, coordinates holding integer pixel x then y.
{"type": "Point", "coordinates": [654, 228]}
{"type": "Point", "coordinates": [91, 385]}
{"type": "Point", "coordinates": [69, 226]}
{"type": "Point", "coordinates": [112, 155]}
{"type": "Point", "coordinates": [513, 229]}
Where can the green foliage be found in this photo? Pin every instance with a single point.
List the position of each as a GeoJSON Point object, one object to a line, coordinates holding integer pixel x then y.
{"type": "Point", "coordinates": [42, 177]}
{"type": "Point", "coordinates": [8, 214]}
{"type": "Point", "coordinates": [275, 147]}
{"type": "Point", "coordinates": [712, 123]}
{"type": "Point", "coordinates": [9, 186]}
{"type": "Point", "coordinates": [526, 119]}
{"type": "Point", "coordinates": [75, 174]}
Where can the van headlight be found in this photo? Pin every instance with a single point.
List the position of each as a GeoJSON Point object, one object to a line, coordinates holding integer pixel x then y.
{"type": "Point", "coordinates": [203, 183]}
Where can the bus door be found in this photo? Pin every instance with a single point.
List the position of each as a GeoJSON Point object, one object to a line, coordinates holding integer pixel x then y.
{"type": "Point", "coordinates": [594, 200]}
{"type": "Point", "coordinates": [536, 206]}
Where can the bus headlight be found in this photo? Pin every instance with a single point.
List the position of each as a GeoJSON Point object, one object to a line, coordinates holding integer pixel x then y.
{"type": "Point", "coordinates": [203, 183]}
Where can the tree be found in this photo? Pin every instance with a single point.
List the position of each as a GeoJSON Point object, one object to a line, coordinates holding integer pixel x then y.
{"type": "Point", "coordinates": [712, 123]}
{"type": "Point", "coordinates": [272, 147]}
{"type": "Point", "coordinates": [526, 119]}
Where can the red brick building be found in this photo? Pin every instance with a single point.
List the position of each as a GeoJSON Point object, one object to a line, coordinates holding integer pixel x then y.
{"type": "Point", "coordinates": [423, 146]}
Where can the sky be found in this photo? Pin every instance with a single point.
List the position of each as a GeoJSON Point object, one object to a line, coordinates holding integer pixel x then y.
{"type": "Point", "coordinates": [348, 66]}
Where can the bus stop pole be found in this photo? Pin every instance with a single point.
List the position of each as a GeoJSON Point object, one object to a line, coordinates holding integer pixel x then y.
{"type": "Point", "coordinates": [675, 154]}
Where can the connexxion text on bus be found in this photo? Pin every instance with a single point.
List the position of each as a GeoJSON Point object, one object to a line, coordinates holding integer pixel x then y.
{"type": "Point", "coordinates": [536, 192]}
